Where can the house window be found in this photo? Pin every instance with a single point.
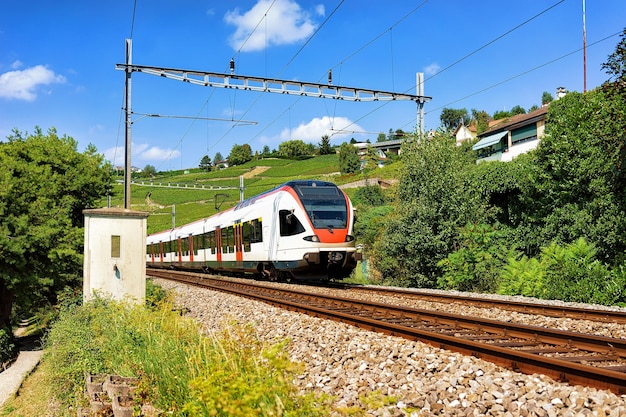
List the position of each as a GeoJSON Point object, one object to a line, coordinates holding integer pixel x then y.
{"type": "Point", "coordinates": [115, 246]}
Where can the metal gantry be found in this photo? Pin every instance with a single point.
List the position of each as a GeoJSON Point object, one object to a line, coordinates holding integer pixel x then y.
{"type": "Point", "coordinates": [258, 84]}
{"type": "Point", "coordinates": [271, 85]}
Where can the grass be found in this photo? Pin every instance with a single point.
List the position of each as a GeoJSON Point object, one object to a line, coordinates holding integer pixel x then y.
{"type": "Point", "coordinates": [181, 371]}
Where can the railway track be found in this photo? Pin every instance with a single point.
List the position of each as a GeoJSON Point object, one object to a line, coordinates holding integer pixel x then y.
{"type": "Point", "coordinates": [575, 358]}
{"type": "Point", "coordinates": [602, 315]}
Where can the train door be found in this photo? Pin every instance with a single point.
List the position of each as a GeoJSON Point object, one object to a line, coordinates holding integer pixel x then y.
{"type": "Point", "coordinates": [238, 242]}
{"type": "Point", "coordinates": [218, 244]}
{"type": "Point", "coordinates": [273, 241]}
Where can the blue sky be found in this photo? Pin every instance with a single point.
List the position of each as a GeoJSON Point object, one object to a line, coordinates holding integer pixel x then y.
{"type": "Point", "coordinates": [57, 66]}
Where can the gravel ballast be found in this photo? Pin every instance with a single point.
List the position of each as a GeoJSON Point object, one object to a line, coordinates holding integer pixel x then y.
{"type": "Point", "coordinates": [355, 365]}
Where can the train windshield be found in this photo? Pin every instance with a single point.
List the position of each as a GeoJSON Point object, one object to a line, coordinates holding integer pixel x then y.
{"type": "Point", "coordinates": [325, 205]}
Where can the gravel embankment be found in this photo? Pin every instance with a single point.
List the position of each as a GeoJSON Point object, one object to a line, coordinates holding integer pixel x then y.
{"type": "Point", "coordinates": [350, 363]}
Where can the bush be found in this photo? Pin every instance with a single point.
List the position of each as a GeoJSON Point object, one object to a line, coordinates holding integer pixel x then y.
{"type": "Point", "coordinates": [565, 272]}
{"type": "Point", "coordinates": [7, 347]}
{"type": "Point", "coordinates": [177, 366]}
{"type": "Point", "coordinates": [476, 265]}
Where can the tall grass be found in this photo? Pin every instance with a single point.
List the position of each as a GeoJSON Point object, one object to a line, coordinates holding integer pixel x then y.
{"type": "Point", "coordinates": [181, 371]}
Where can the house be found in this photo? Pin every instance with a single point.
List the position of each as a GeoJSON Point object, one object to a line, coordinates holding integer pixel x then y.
{"type": "Point", "coordinates": [464, 133]}
{"type": "Point", "coordinates": [507, 138]}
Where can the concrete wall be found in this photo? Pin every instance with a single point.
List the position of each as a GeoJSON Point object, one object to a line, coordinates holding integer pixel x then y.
{"type": "Point", "coordinates": [115, 247]}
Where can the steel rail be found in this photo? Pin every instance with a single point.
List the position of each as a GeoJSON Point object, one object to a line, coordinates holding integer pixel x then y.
{"type": "Point", "coordinates": [608, 316]}
{"type": "Point", "coordinates": [360, 314]}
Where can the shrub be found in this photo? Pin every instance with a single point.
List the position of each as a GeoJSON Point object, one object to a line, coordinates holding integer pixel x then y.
{"type": "Point", "coordinates": [565, 272]}
{"type": "Point", "coordinates": [7, 347]}
{"type": "Point", "coordinates": [177, 366]}
{"type": "Point", "coordinates": [476, 265]}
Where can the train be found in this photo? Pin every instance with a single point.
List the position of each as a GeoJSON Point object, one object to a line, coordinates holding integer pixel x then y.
{"type": "Point", "coordinates": [301, 230]}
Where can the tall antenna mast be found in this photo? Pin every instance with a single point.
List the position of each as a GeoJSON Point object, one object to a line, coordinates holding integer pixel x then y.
{"type": "Point", "coordinates": [584, 51]}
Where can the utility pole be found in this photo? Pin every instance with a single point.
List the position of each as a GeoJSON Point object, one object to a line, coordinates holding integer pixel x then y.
{"type": "Point", "coordinates": [420, 102]}
{"type": "Point", "coordinates": [127, 136]}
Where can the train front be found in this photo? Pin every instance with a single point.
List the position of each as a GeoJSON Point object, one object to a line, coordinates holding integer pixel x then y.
{"type": "Point", "coordinates": [330, 251]}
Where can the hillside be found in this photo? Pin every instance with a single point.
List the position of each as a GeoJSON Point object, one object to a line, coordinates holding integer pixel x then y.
{"type": "Point", "coordinates": [196, 194]}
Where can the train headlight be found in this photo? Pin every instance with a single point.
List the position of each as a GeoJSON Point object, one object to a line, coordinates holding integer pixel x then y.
{"type": "Point", "coordinates": [313, 238]}
{"type": "Point", "coordinates": [349, 238]}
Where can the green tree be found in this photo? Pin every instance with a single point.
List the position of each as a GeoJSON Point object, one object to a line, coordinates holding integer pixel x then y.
{"type": "Point", "coordinates": [482, 120]}
{"type": "Point", "coordinates": [266, 151]}
{"type": "Point", "coordinates": [218, 158]}
{"type": "Point", "coordinates": [295, 149]}
{"type": "Point", "coordinates": [501, 114]}
{"type": "Point", "coordinates": [435, 199]}
{"type": "Point", "coordinates": [546, 98]}
{"type": "Point", "coordinates": [325, 148]}
{"type": "Point", "coordinates": [381, 137]}
{"type": "Point", "coordinates": [348, 159]}
{"type": "Point", "coordinates": [45, 185]}
{"type": "Point", "coordinates": [205, 163]}
{"type": "Point", "coordinates": [615, 65]}
{"type": "Point", "coordinates": [517, 110]}
{"type": "Point", "coordinates": [148, 171]}
{"type": "Point", "coordinates": [578, 186]}
{"type": "Point", "coordinates": [451, 118]}
{"type": "Point", "coordinates": [240, 154]}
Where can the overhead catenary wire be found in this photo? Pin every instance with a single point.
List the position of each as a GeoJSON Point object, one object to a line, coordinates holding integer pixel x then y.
{"type": "Point", "coordinates": [482, 90]}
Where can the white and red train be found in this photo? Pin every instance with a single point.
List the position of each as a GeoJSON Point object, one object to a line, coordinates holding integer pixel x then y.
{"type": "Point", "coordinates": [299, 230]}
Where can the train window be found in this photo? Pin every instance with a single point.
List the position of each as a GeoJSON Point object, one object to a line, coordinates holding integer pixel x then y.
{"type": "Point", "coordinates": [210, 241]}
{"type": "Point", "coordinates": [325, 205]}
{"type": "Point", "coordinates": [246, 231]}
{"type": "Point", "coordinates": [226, 237]}
{"type": "Point", "coordinates": [289, 223]}
{"type": "Point", "coordinates": [256, 232]}
{"type": "Point", "coordinates": [184, 246]}
{"type": "Point", "coordinates": [198, 243]}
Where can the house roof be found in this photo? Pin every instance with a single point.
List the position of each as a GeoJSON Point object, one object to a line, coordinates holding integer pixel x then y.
{"type": "Point", "coordinates": [517, 121]}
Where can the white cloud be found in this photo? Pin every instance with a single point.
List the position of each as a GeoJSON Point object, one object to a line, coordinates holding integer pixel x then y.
{"type": "Point", "coordinates": [16, 64]}
{"type": "Point", "coordinates": [140, 153]}
{"type": "Point", "coordinates": [22, 85]}
{"type": "Point", "coordinates": [285, 23]}
{"type": "Point", "coordinates": [338, 128]}
{"type": "Point", "coordinates": [432, 69]}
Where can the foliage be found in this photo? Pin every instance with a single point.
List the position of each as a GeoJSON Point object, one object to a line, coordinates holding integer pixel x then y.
{"type": "Point", "coordinates": [177, 366]}
{"type": "Point", "coordinates": [482, 120]}
{"type": "Point", "coordinates": [243, 377]}
{"type": "Point", "coordinates": [205, 163]}
{"type": "Point", "coordinates": [370, 224]}
{"type": "Point", "coordinates": [7, 347]}
{"type": "Point", "coordinates": [348, 159]}
{"type": "Point", "coordinates": [240, 154]}
{"type": "Point", "coordinates": [577, 187]}
{"type": "Point", "coordinates": [45, 185]}
{"type": "Point", "coordinates": [615, 65]}
{"type": "Point", "coordinates": [476, 264]}
{"type": "Point", "coordinates": [517, 110]}
{"type": "Point", "coordinates": [546, 98]}
{"type": "Point", "coordinates": [565, 272]}
{"type": "Point", "coordinates": [434, 201]}
{"type": "Point", "coordinates": [370, 195]}
{"type": "Point", "coordinates": [149, 171]}
{"type": "Point", "coordinates": [218, 158]}
{"type": "Point", "coordinates": [324, 146]}
{"type": "Point", "coordinates": [293, 149]}
{"type": "Point", "coordinates": [451, 118]}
